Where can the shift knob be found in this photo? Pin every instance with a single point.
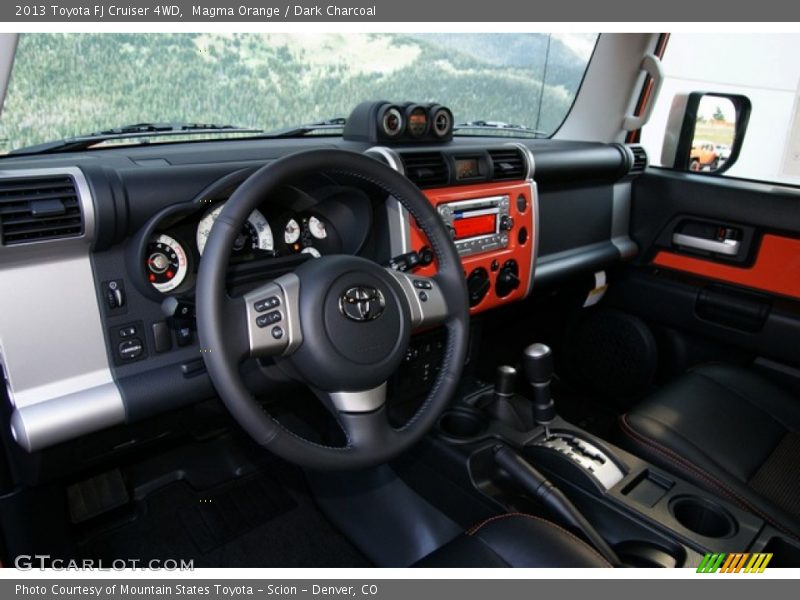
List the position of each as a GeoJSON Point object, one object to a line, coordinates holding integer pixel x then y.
{"type": "Point", "coordinates": [504, 380]}
{"type": "Point", "coordinates": [538, 363]}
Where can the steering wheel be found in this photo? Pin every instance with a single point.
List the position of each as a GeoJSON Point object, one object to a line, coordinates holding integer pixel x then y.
{"type": "Point", "coordinates": [342, 323]}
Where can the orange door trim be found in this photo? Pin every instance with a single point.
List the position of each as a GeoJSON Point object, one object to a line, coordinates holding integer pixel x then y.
{"type": "Point", "coordinates": [776, 268]}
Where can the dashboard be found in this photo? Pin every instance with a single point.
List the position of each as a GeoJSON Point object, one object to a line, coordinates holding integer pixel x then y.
{"type": "Point", "coordinates": [96, 319]}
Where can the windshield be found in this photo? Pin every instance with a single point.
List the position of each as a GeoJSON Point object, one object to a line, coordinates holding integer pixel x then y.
{"type": "Point", "coordinates": [65, 85]}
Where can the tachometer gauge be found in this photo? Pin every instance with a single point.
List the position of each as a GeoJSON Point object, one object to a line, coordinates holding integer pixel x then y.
{"type": "Point", "coordinates": [255, 233]}
{"type": "Point", "coordinates": [291, 233]}
{"type": "Point", "coordinates": [166, 264]}
{"type": "Point", "coordinates": [317, 228]}
{"type": "Point", "coordinates": [312, 251]}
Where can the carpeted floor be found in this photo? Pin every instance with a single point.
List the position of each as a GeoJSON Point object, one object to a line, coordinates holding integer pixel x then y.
{"type": "Point", "coordinates": [266, 519]}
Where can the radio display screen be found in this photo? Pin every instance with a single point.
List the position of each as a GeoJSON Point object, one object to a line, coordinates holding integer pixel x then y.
{"type": "Point", "coordinates": [474, 226]}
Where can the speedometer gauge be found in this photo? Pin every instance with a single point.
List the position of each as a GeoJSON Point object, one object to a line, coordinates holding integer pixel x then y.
{"type": "Point", "coordinates": [166, 264]}
{"type": "Point", "coordinates": [255, 233]}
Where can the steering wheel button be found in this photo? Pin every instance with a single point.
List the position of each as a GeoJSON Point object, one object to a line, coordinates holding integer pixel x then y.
{"type": "Point", "coordinates": [267, 303]}
{"type": "Point", "coordinates": [269, 319]}
{"type": "Point", "coordinates": [421, 284]}
{"type": "Point", "coordinates": [277, 332]}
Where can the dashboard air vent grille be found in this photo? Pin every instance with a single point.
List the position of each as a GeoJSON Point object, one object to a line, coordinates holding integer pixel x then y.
{"type": "Point", "coordinates": [426, 169]}
{"type": "Point", "coordinates": [509, 163]}
{"type": "Point", "coordinates": [639, 159]}
{"type": "Point", "coordinates": [41, 208]}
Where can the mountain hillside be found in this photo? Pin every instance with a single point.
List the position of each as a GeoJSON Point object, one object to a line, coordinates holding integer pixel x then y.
{"type": "Point", "coordinates": [69, 84]}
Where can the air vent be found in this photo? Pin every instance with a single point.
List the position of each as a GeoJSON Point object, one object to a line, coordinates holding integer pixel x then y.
{"type": "Point", "coordinates": [639, 159]}
{"type": "Point", "coordinates": [41, 208]}
{"type": "Point", "coordinates": [426, 169]}
{"type": "Point", "coordinates": [509, 163]}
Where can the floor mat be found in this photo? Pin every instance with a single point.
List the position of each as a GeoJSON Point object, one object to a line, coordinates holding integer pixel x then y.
{"type": "Point", "coordinates": [257, 521]}
{"type": "Point", "coordinates": [226, 514]}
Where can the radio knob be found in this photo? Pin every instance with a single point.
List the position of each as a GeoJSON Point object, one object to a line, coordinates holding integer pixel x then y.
{"type": "Point", "coordinates": [506, 223]}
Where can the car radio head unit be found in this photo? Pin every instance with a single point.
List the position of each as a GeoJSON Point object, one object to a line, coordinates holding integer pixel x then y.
{"type": "Point", "coordinates": [478, 225]}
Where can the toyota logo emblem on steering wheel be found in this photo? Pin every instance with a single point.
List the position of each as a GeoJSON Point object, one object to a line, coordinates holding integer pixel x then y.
{"type": "Point", "coordinates": [362, 303]}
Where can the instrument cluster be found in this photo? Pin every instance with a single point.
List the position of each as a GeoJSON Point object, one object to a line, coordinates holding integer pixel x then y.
{"type": "Point", "coordinates": [173, 253]}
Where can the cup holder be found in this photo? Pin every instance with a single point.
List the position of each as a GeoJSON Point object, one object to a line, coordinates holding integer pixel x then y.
{"type": "Point", "coordinates": [703, 517]}
{"type": "Point", "coordinates": [461, 425]}
{"type": "Point", "coordinates": [650, 555]}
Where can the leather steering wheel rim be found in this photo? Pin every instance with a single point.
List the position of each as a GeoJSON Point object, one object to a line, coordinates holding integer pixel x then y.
{"type": "Point", "coordinates": [369, 442]}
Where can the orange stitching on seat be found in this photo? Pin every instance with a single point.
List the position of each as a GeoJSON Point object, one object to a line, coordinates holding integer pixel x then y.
{"type": "Point", "coordinates": [474, 529]}
{"type": "Point", "coordinates": [683, 462]}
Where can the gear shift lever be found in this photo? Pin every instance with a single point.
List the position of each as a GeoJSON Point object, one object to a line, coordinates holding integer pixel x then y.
{"type": "Point", "coordinates": [538, 364]}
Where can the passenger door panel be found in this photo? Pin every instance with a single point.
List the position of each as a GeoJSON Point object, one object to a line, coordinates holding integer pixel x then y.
{"type": "Point", "coordinates": [718, 269]}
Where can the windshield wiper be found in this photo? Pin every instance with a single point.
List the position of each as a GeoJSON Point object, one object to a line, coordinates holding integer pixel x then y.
{"type": "Point", "coordinates": [138, 130]}
{"type": "Point", "coordinates": [499, 126]}
{"type": "Point", "coordinates": [334, 124]}
{"type": "Point", "coordinates": [148, 130]}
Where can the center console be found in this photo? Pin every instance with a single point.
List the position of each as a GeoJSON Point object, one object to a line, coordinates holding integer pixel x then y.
{"type": "Point", "coordinates": [648, 516]}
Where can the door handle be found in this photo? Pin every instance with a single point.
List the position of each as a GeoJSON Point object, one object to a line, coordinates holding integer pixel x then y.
{"type": "Point", "coordinates": [727, 247]}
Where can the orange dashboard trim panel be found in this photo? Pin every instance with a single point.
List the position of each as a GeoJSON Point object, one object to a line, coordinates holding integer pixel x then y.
{"type": "Point", "coordinates": [776, 268]}
{"type": "Point", "coordinates": [521, 252]}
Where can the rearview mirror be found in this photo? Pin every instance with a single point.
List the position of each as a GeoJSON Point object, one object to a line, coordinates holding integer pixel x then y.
{"type": "Point", "coordinates": [705, 131]}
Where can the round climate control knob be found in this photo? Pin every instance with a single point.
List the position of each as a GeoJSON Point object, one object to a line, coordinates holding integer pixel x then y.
{"type": "Point", "coordinates": [507, 279]}
{"type": "Point", "coordinates": [478, 285]}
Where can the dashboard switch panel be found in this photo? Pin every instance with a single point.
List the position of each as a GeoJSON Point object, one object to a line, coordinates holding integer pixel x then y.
{"type": "Point", "coordinates": [128, 343]}
{"type": "Point", "coordinates": [114, 293]}
{"type": "Point", "coordinates": [162, 339]}
{"type": "Point", "coordinates": [183, 332]}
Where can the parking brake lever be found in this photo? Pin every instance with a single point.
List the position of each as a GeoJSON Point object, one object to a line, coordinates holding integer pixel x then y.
{"type": "Point", "coordinates": [540, 488]}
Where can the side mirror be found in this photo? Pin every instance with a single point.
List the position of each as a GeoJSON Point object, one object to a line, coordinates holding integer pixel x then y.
{"type": "Point", "coordinates": [705, 131]}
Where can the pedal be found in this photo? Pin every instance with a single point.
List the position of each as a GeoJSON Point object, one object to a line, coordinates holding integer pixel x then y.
{"type": "Point", "coordinates": [97, 495]}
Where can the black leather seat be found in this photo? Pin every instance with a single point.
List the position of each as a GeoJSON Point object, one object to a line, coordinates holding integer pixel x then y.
{"type": "Point", "coordinates": [729, 431]}
{"type": "Point", "coordinates": [515, 540]}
